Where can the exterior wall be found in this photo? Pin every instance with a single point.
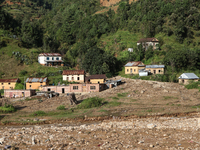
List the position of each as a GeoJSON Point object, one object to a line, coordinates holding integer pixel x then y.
{"type": "Point", "coordinates": [57, 89]}
{"type": "Point", "coordinates": [41, 60]}
{"type": "Point", "coordinates": [97, 81]}
{"type": "Point", "coordinates": [81, 78]}
{"type": "Point", "coordinates": [18, 93]}
{"type": "Point", "coordinates": [6, 85]}
{"type": "Point", "coordinates": [187, 81]}
{"type": "Point", "coordinates": [34, 85]}
{"type": "Point", "coordinates": [147, 44]}
{"type": "Point", "coordinates": [135, 69]}
{"type": "Point", "coordinates": [80, 88]}
{"type": "Point", "coordinates": [156, 70]}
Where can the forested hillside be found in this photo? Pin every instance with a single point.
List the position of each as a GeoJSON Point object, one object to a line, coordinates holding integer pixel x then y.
{"type": "Point", "coordinates": [98, 42]}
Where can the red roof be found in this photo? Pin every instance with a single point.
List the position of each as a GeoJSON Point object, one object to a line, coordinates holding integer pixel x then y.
{"type": "Point", "coordinates": [96, 76]}
{"type": "Point", "coordinates": [73, 72]}
{"type": "Point", "coordinates": [148, 40]}
{"type": "Point", "coordinates": [10, 80]}
{"type": "Point", "coordinates": [49, 54]}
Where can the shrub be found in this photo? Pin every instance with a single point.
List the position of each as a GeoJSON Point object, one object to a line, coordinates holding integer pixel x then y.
{"type": "Point", "coordinates": [38, 113]}
{"type": "Point", "coordinates": [192, 85]}
{"type": "Point", "coordinates": [23, 73]}
{"type": "Point", "coordinates": [7, 108]}
{"type": "Point", "coordinates": [121, 94]}
{"type": "Point", "coordinates": [91, 102]}
{"type": "Point", "coordinates": [114, 103]}
{"type": "Point", "coordinates": [61, 107]}
{"type": "Point", "coordinates": [19, 86]}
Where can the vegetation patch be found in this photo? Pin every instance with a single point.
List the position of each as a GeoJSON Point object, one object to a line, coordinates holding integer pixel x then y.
{"type": "Point", "coordinates": [7, 108]}
{"type": "Point", "coordinates": [122, 94]}
{"type": "Point", "coordinates": [198, 106]}
{"type": "Point", "coordinates": [90, 103]}
{"type": "Point", "coordinates": [61, 107]}
{"type": "Point", "coordinates": [39, 113]}
{"type": "Point", "coordinates": [113, 104]}
{"type": "Point", "coordinates": [169, 97]}
{"type": "Point", "coordinates": [115, 98]}
{"type": "Point", "coordinates": [193, 85]}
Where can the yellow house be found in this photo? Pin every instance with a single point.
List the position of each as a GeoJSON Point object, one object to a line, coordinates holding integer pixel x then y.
{"type": "Point", "coordinates": [8, 83]}
{"type": "Point", "coordinates": [98, 78]}
{"type": "Point", "coordinates": [155, 69]}
{"type": "Point", "coordinates": [36, 83]}
{"type": "Point", "coordinates": [133, 67]}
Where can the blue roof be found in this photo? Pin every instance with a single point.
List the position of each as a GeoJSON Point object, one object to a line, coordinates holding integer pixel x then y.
{"type": "Point", "coordinates": [36, 79]}
{"type": "Point", "coordinates": [155, 66]}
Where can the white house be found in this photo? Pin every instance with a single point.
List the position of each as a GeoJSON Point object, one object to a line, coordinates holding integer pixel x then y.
{"type": "Point", "coordinates": [74, 75]}
{"type": "Point", "coordinates": [50, 59]}
{"type": "Point", "coordinates": [146, 42]}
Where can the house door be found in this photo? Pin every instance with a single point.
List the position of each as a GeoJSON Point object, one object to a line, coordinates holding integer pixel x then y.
{"type": "Point", "coordinates": [63, 90]}
{"type": "Point", "coordinates": [84, 88]}
{"type": "Point", "coordinates": [154, 71]}
{"type": "Point", "coordinates": [11, 94]}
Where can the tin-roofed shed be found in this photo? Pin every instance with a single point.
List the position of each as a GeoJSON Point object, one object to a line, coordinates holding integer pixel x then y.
{"type": "Point", "coordinates": [155, 69]}
{"type": "Point", "coordinates": [185, 78]}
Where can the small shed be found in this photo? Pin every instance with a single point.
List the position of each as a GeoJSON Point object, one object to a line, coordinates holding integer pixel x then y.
{"type": "Point", "coordinates": [186, 77]}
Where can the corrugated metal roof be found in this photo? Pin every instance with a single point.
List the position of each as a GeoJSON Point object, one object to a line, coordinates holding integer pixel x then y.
{"type": "Point", "coordinates": [9, 80]}
{"type": "Point", "coordinates": [73, 72]}
{"type": "Point", "coordinates": [148, 40]}
{"type": "Point", "coordinates": [49, 54]}
{"type": "Point", "coordinates": [155, 66]}
{"type": "Point", "coordinates": [133, 63]}
{"type": "Point", "coordinates": [188, 76]}
{"type": "Point", "coordinates": [36, 79]}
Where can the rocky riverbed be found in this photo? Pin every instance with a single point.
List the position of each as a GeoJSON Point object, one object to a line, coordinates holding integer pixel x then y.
{"type": "Point", "coordinates": [137, 133]}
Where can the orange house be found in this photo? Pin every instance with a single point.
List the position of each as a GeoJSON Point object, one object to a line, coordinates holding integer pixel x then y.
{"type": "Point", "coordinates": [8, 83]}
{"type": "Point", "coordinates": [36, 83]}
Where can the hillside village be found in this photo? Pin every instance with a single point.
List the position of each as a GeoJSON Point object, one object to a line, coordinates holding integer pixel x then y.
{"type": "Point", "coordinates": [99, 74]}
{"type": "Point", "coordinates": [77, 79]}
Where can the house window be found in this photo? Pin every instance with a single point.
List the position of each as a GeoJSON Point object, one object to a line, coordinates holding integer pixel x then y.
{"type": "Point", "coordinates": [47, 58]}
{"type": "Point", "coordinates": [131, 70]}
{"type": "Point", "coordinates": [9, 83]}
{"type": "Point", "coordinates": [1, 83]}
{"type": "Point", "coordinates": [2, 87]}
{"type": "Point", "coordinates": [92, 87]}
{"type": "Point", "coordinates": [67, 78]}
{"type": "Point", "coordinates": [52, 58]}
{"type": "Point", "coordinates": [78, 78]}
{"type": "Point", "coordinates": [29, 85]}
{"type": "Point", "coordinates": [134, 70]}
{"type": "Point", "coordinates": [159, 71]}
{"type": "Point", "coordinates": [72, 78]}
{"type": "Point", "coordinates": [127, 70]}
{"type": "Point", "coordinates": [49, 90]}
{"type": "Point", "coordinates": [75, 87]}
{"type": "Point", "coordinates": [57, 58]}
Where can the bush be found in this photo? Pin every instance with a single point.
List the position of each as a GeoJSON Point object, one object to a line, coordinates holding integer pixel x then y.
{"type": "Point", "coordinates": [38, 113]}
{"type": "Point", "coordinates": [2, 91]}
{"type": "Point", "coordinates": [91, 102]}
{"type": "Point", "coordinates": [61, 107]}
{"type": "Point", "coordinates": [19, 86]}
{"type": "Point", "coordinates": [193, 85]}
{"type": "Point", "coordinates": [7, 108]}
{"type": "Point", "coordinates": [23, 73]}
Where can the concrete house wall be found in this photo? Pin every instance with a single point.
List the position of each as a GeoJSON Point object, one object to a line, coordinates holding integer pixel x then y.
{"type": "Point", "coordinates": [187, 81]}
{"type": "Point", "coordinates": [133, 69]}
{"type": "Point", "coordinates": [7, 85]}
{"type": "Point", "coordinates": [156, 70]}
{"type": "Point", "coordinates": [75, 78]}
{"type": "Point", "coordinates": [35, 85]}
{"type": "Point", "coordinates": [18, 93]}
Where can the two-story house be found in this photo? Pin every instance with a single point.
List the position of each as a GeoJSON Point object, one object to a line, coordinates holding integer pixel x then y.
{"type": "Point", "coordinates": [50, 59]}
{"type": "Point", "coordinates": [133, 67]}
{"type": "Point", "coordinates": [8, 83]}
{"type": "Point", "coordinates": [147, 42]}
{"type": "Point", "coordinates": [74, 75]}
{"type": "Point", "coordinates": [36, 83]}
